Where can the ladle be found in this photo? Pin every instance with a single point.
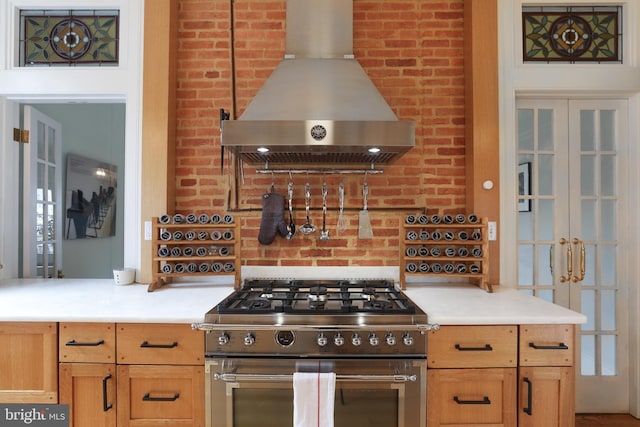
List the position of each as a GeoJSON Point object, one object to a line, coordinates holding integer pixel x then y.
{"type": "Point", "coordinates": [324, 233]}
{"type": "Point", "coordinates": [291, 228]}
{"type": "Point", "coordinates": [307, 227]}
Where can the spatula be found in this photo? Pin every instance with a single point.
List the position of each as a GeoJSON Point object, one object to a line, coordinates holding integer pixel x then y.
{"type": "Point", "coordinates": [364, 223]}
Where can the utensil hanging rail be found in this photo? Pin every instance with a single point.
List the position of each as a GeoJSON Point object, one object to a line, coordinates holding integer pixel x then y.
{"type": "Point", "coordinates": [321, 171]}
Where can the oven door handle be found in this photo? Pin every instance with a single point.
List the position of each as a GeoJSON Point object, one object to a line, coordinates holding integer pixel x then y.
{"type": "Point", "coordinates": [231, 377]}
{"type": "Point", "coordinates": [232, 327]}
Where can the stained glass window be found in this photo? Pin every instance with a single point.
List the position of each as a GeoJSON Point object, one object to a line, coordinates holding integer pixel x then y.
{"type": "Point", "coordinates": [69, 37]}
{"type": "Point", "coordinates": [572, 34]}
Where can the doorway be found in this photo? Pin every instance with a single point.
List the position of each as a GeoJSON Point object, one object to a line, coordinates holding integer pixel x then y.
{"type": "Point", "coordinates": [572, 204]}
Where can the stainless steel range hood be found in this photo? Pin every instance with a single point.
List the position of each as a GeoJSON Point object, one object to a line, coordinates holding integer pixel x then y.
{"type": "Point", "coordinates": [319, 106]}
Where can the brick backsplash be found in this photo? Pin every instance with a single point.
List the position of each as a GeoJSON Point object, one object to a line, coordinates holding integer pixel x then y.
{"type": "Point", "coordinates": [413, 52]}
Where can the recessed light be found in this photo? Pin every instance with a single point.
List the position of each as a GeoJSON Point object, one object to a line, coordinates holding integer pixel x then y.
{"type": "Point", "coordinates": [263, 150]}
{"type": "Point", "coordinates": [374, 150]}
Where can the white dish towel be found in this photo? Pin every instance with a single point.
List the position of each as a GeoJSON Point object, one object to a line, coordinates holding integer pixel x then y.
{"type": "Point", "coordinates": [313, 399]}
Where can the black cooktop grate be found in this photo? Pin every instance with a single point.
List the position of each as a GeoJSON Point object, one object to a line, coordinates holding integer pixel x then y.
{"type": "Point", "coordinates": [317, 297]}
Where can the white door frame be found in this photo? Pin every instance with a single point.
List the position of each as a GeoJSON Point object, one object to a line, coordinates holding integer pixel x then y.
{"type": "Point", "coordinates": [86, 85]}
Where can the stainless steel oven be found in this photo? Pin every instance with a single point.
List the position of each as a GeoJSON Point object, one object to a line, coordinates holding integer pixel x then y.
{"type": "Point", "coordinates": [366, 332]}
{"type": "Point", "coordinates": [258, 392]}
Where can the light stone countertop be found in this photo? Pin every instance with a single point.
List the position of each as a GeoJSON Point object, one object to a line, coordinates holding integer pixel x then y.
{"type": "Point", "coordinates": [100, 300]}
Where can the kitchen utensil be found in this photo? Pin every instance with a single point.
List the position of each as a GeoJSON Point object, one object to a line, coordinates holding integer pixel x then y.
{"type": "Point", "coordinates": [307, 227]}
{"type": "Point", "coordinates": [364, 224]}
{"type": "Point", "coordinates": [291, 228]}
{"type": "Point", "coordinates": [324, 234]}
{"type": "Point", "coordinates": [342, 222]}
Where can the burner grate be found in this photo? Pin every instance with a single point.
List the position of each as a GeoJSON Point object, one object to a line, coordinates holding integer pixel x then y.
{"type": "Point", "coordinates": [317, 296]}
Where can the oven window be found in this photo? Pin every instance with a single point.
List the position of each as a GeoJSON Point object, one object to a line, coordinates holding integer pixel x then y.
{"type": "Point", "coordinates": [353, 407]}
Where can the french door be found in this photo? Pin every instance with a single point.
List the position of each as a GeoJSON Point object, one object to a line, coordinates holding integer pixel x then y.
{"type": "Point", "coordinates": [42, 196]}
{"type": "Point", "coordinates": [572, 176]}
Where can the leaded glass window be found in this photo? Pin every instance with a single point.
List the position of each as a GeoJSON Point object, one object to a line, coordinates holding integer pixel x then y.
{"type": "Point", "coordinates": [572, 34]}
{"type": "Point", "coordinates": [69, 37]}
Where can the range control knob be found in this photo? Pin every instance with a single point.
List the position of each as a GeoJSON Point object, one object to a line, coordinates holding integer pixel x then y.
{"type": "Point", "coordinates": [249, 339]}
{"type": "Point", "coordinates": [356, 340]}
{"type": "Point", "coordinates": [407, 340]}
{"type": "Point", "coordinates": [338, 340]}
{"type": "Point", "coordinates": [322, 340]}
{"type": "Point", "coordinates": [390, 339]}
{"type": "Point", "coordinates": [223, 339]}
{"type": "Point", "coordinates": [373, 339]}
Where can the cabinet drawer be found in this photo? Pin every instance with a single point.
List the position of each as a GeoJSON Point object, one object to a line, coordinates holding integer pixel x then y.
{"type": "Point", "coordinates": [87, 342]}
{"type": "Point", "coordinates": [546, 345]}
{"type": "Point", "coordinates": [152, 344]}
{"type": "Point", "coordinates": [472, 347]}
{"type": "Point", "coordinates": [473, 397]}
{"type": "Point", "coordinates": [160, 395]}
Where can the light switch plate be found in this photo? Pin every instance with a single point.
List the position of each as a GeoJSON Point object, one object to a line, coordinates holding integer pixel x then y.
{"type": "Point", "coordinates": [147, 230]}
{"type": "Point", "coordinates": [492, 231]}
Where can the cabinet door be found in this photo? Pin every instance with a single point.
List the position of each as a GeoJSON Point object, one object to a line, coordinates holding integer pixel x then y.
{"type": "Point", "coordinates": [153, 395]}
{"type": "Point", "coordinates": [546, 397]}
{"type": "Point", "coordinates": [471, 397]}
{"type": "Point", "coordinates": [28, 362]}
{"type": "Point", "coordinates": [90, 391]}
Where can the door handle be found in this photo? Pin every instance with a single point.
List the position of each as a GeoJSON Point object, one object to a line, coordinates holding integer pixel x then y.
{"type": "Point", "coordinates": [527, 410]}
{"type": "Point", "coordinates": [569, 275]}
{"type": "Point", "coordinates": [576, 279]}
{"type": "Point", "coordinates": [105, 405]}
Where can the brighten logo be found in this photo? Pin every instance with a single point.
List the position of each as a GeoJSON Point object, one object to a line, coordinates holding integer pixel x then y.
{"type": "Point", "coordinates": [34, 415]}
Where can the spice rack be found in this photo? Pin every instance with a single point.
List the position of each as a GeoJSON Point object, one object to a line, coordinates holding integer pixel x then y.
{"type": "Point", "coordinates": [457, 248]}
{"type": "Point", "coordinates": [197, 249]}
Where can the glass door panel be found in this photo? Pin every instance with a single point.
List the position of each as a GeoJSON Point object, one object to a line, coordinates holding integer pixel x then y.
{"type": "Point", "coordinates": [572, 232]}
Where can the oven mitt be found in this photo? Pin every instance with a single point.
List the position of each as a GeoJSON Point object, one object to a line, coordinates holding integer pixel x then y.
{"type": "Point", "coordinates": [272, 218]}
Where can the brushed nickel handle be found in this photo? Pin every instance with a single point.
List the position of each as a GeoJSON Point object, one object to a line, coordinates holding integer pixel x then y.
{"type": "Point", "coordinates": [576, 279]}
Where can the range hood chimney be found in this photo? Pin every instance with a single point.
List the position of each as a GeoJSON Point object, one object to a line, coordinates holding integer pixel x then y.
{"type": "Point", "coordinates": [318, 105]}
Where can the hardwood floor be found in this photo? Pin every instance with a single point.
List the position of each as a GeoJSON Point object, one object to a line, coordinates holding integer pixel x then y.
{"type": "Point", "coordinates": [608, 420]}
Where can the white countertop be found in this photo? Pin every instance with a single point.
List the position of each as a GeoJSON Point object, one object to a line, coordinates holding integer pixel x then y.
{"type": "Point", "coordinates": [456, 304]}
{"type": "Point", "coordinates": [100, 300]}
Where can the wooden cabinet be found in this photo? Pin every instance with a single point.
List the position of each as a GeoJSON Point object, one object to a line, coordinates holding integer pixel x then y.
{"type": "Point", "coordinates": [472, 376]}
{"type": "Point", "coordinates": [160, 375]}
{"type": "Point", "coordinates": [174, 344]}
{"type": "Point", "coordinates": [546, 376]}
{"type": "Point", "coordinates": [90, 391]}
{"type": "Point", "coordinates": [87, 372]}
{"type": "Point", "coordinates": [153, 395]}
{"type": "Point", "coordinates": [501, 376]}
{"type": "Point", "coordinates": [28, 362]}
{"type": "Point", "coordinates": [132, 374]}
{"type": "Point", "coordinates": [471, 397]}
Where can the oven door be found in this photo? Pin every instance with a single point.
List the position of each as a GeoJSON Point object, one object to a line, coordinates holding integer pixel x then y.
{"type": "Point", "coordinates": [252, 392]}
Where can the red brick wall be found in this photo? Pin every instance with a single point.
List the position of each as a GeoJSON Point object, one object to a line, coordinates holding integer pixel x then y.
{"type": "Point", "coordinates": [411, 49]}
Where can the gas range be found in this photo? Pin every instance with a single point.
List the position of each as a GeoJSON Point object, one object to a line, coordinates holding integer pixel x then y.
{"type": "Point", "coordinates": [316, 318]}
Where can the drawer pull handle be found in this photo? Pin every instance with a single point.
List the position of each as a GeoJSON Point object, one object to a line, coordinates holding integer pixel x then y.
{"type": "Point", "coordinates": [146, 344]}
{"type": "Point", "coordinates": [487, 347]}
{"type": "Point", "coordinates": [527, 410]}
{"type": "Point", "coordinates": [105, 405]}
{"type": "Point", "coordinates": [561, 346]}
{"type": "Point", "coordinates": [148, 398]}
{"type": "Point", "coordinates": [84, 344]}
{"type": "Point", "coordinates": [484, 401]}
